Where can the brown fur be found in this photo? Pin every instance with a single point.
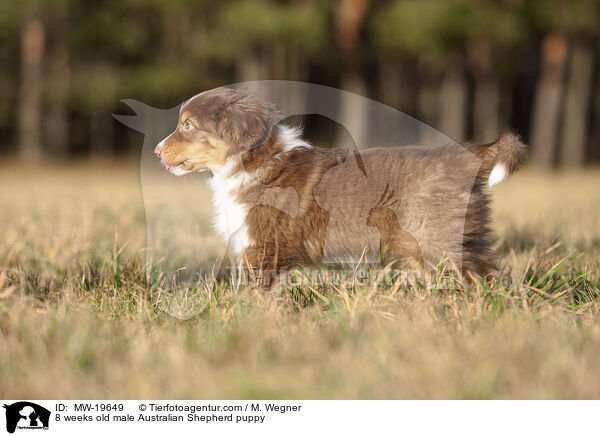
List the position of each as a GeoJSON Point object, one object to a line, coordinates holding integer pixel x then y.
{"type": "Point", "coordinates": [305, 205]}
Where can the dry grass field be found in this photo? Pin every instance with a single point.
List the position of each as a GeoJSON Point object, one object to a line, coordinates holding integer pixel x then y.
{"type": "Point", "coordinates": [78, 318]}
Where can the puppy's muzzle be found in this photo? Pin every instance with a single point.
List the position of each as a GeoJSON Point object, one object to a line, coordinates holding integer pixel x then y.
{"type": "Point", "coordinates": [159, 148]}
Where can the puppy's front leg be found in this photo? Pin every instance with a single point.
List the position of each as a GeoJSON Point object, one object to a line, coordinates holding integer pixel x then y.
{"type": "Point", "coordinates": [260, 266]}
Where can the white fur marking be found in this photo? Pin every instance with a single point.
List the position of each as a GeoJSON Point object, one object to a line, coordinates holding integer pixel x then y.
{"type": "Point", "coordinates": [230, 216]}
{"type": "Point", "coordinates": [179, 171]}
{"type": "Point", "coordinates": [498, 175]}
{"type": "Point", "coordinates": [291, 137]}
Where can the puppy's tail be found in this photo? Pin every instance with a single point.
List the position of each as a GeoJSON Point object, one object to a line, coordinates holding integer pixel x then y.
{"type": "Point", "coordinates": [501, 158]}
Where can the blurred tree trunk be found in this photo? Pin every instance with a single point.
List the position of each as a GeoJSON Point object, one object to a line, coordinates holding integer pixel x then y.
{"type": "Point", "coordinates": [486, 98]}
{"type": "Point", "coordinates": [390, 82]}
{"type": "Point", "coordinates": [547, 105]}
{"type": "Point", "coordinates": [278, 68]}
{"type": "Point", "coordinates": [32, 56]}
{"type": "Point", "coordinates": [297, 70]}
{"type": "Point", "coordinates": [428, 106]}
{"type": "Point", "coordinates": [101, 134]}
{"type": "Point", "coordinates": [349, 19]}
{"type": "Point", "coordinates": [263, 63]}
{"type": "Point", "coordinates": [57, 122]}
{"type": "Point", "coordinates": [248, 67]}
{"type": "Point", "coordinates": [574, 125]}
{"type": "Point", "coordinates": [297, 65]}
{"type": "Point", "coordinates": [354, 113]}
{"type": "Point", "coordinates": [394, 88]}
{"type": "Point", "coordinates": [453, 99]}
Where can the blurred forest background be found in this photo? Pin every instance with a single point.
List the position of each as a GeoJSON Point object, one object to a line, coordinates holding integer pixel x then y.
{"type": "Point", "coordinates": [469, 68]}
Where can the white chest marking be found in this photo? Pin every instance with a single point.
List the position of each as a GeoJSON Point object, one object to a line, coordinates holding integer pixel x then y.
{"type": "Point", "coordinates": [230, 215]}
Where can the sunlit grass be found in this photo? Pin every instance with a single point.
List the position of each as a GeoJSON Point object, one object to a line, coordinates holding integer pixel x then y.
{"type": "Point", "coordinates": [80, 316]}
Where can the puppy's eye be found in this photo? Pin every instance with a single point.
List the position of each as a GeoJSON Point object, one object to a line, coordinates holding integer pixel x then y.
{"type": "Point", "coordinates": [187, 125]}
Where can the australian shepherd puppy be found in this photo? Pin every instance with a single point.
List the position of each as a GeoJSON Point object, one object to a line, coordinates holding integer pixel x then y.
{"type": "Point", "coordinates": [281, 202]}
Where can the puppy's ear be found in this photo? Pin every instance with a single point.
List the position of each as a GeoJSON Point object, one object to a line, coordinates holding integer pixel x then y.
{"type": "Point", "coordinates": [246, 121]}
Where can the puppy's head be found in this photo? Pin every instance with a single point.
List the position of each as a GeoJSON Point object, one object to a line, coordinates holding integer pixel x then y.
{"type": "Point", "coordinates": [214, 126]}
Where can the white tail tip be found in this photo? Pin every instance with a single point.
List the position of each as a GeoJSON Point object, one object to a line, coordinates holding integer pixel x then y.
{"type": "Point", "coordinates": [498, 175]}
